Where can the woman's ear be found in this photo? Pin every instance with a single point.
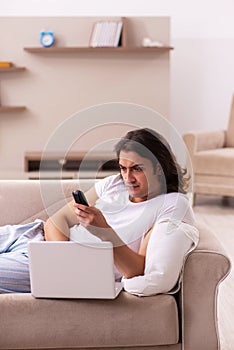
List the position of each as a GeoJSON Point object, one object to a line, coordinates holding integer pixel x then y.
{"type": "Point", "coordinates": [159, 170]}
{"type": "Point", "coordinates": [161, 178]}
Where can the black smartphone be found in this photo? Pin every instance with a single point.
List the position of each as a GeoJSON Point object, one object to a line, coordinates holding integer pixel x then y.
{"type": "Point", "coordinates": [79, 197]}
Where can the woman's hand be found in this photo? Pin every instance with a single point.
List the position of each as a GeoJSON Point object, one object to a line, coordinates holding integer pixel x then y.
{"type": "Point", "coordinates": [90, 216]}
{"type": "Point", "coordinates": [92, 219]}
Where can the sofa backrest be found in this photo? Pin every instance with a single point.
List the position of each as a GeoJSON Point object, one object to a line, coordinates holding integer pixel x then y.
{"type": "Point", "coordinates": [26, 200]}
{"type": "Point", "coordinates": [230, 129]}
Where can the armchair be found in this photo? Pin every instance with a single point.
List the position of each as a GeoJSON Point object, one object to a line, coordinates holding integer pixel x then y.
{"type": "Point", "coordinates": [212, 156]}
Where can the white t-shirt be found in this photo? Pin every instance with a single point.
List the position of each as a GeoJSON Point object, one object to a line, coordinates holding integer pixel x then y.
{"type": "Point", "coordinates": [172, 237]}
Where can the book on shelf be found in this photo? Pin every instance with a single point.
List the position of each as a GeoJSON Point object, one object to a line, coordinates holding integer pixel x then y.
{"type": "Point", "coordinates": [106, 34]}
{"type": "Point", "coordinates": [118, 33]}
{"type": "Point", "coordinates": [5, 64]}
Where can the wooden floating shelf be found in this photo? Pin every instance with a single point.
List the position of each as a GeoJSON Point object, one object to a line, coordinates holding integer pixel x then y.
{"type": "Point", "coordinates": [11, 69]}
{"type": "Point", "coordinates": [12, 108]}
{"type": "Point", "coordinates": [98, 49]}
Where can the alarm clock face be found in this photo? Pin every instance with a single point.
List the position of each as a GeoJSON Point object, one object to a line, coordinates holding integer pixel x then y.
{"type": "Point", "coordinates": [47, 39]}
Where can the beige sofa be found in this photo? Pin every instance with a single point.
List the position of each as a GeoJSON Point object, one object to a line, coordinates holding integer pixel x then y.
{"type": "Point", "coordinates": [212, 156]}
{"type": "Point", "coordinates": [186, 321]}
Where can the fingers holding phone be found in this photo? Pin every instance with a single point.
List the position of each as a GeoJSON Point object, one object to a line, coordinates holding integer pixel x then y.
{"type": "Point", "coordinates": [88, 216]}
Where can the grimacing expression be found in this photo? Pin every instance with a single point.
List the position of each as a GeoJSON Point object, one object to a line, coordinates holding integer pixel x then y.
{"type": "Point", "coordinates": [139, 176]}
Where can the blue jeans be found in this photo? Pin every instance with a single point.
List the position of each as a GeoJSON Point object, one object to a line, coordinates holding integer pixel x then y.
{"type": "Point", "coordinates": [14, 262]}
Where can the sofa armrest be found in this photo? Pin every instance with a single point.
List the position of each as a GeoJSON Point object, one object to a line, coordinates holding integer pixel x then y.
{"type": "Point", "coordinates": [204, 140]}
{"type": "Point", "coordinates": [204, 270]}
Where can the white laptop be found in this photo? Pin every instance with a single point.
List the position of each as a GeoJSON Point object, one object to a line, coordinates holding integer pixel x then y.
{"type": "Point", "coordinates": [72, 270]}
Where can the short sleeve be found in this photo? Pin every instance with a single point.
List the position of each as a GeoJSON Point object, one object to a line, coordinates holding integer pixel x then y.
{"type": "Point", "coordinates": [176, 207]}
{"type": "Point", "coordinates": [109, 187]}
{"type": "Point", "coordinates": [100, 186]}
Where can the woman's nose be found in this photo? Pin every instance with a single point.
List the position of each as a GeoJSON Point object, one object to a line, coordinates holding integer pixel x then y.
{"type": "Point", "coordinates": [129, 176]}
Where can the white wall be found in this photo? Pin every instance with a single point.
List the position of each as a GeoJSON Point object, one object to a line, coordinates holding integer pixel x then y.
{"type": "Point", "coordinates": [202, 64]}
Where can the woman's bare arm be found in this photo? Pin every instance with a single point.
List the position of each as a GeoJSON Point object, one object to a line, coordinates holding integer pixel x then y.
{"type": "Point", "coordinates": [57, 227]}
{"type": "Point", "coordinates": [128, 262]}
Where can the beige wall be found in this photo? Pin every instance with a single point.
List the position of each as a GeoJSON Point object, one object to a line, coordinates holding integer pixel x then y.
{"type": "Point", "coordinates": [202, 66]}
{"type": "Point", "coordinates": [55, 86]}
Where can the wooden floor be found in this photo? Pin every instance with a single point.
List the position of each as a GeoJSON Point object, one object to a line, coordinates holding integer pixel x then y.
{"type": "Point", "coordinates": [219, 216]}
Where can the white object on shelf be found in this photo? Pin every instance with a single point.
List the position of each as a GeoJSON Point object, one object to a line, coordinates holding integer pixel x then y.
{"type": "Point", "coordinates": [147, 42]}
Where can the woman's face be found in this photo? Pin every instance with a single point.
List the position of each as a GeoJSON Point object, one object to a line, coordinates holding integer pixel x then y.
{"type": "Point", "coordinates": [139, 176]}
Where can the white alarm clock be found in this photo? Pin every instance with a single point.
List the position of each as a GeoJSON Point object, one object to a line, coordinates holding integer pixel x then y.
{"type": "Point", "coordinates": [46, 38]}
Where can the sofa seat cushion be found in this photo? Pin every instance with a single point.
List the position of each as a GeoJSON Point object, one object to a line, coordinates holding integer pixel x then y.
{"type": "Point", "coordinates": [215, 162]}
{"type": "Point", "coordinates": [128, 320]}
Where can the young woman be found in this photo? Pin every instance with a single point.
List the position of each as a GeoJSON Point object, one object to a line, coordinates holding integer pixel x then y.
{"type": "Point", "coordinates": [143, 211]}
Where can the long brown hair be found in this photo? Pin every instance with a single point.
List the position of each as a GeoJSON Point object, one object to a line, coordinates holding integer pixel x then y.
{"type": "Point", "coordinates": [151, 145]}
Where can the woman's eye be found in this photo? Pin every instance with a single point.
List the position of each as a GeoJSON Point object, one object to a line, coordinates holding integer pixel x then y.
{"type": "Point", "coordinates": [137, 169]}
